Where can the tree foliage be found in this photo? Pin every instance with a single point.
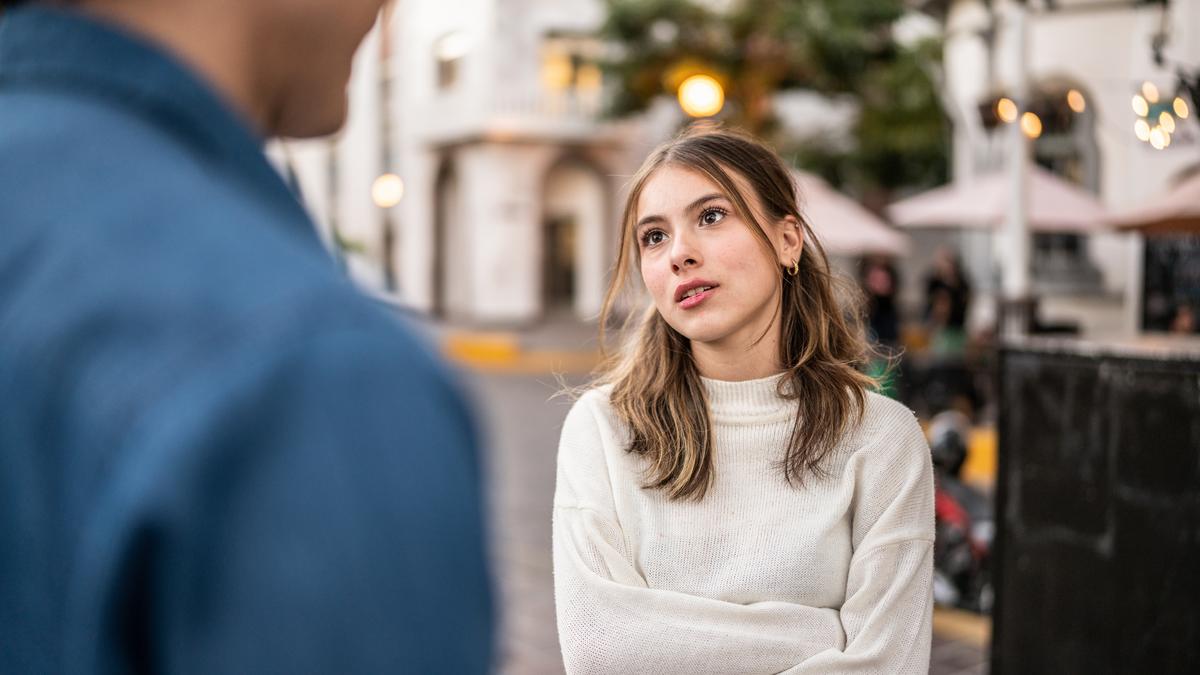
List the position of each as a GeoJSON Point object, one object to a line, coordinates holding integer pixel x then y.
{"type": "Point", "coordinates": [757, 48]}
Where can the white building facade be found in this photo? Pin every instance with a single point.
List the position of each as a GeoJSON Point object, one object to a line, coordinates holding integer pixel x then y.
{"type": "Point", "coordinates": [488, 110]}
{"type": "Point", "coordinates": [1102, 51]}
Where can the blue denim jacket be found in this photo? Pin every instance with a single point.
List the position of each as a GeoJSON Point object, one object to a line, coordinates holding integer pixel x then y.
{"type": "Point", "coordinates": [215, 455]}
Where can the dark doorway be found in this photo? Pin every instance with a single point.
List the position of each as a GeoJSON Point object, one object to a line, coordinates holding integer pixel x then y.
{"type": "Point", "coordinates": [558, 263]}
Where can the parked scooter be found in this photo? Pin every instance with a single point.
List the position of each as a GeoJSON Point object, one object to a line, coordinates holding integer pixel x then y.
{"type": "Point", "coordinates": [964, 521]}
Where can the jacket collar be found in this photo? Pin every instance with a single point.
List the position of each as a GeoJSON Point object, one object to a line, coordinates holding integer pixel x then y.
{"type": "Point", "coordinates": [48, 48]}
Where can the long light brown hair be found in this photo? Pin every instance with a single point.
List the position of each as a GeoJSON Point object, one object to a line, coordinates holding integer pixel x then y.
{"type": "Point", "coordinates": [656, 388]}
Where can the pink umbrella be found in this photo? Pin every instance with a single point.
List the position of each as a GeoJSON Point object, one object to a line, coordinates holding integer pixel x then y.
{"type": "Point", "coordinates": [843, 226]}
{"type": "Point", "coordinates": [1054, 205]}
{"type": "Point", "coordinates": [1176, 210]}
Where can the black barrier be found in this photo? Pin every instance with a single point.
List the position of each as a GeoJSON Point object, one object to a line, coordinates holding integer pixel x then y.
{"type": "Point", "coordinates": [1098, 541]}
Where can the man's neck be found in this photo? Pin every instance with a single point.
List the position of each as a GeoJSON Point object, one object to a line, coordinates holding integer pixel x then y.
{"type": "Point", "coordinates": [211, 38]}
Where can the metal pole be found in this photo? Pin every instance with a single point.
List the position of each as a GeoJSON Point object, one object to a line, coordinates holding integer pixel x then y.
{"type": "Point", "coordinates": [385, 95]}
{"type": "Point", "coordinates": [1016, 274]}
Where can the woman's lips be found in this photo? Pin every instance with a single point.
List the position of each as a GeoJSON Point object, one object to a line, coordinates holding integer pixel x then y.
{"type": "Point", "coordinates": [688, 303]}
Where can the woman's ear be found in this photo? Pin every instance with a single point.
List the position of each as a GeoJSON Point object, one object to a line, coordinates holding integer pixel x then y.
{"type": "Point", "coordinates": [790, 242]}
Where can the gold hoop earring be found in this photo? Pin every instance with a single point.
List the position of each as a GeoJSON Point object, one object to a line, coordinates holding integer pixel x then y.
{"type": "Point", "coordinates": [795, 268]}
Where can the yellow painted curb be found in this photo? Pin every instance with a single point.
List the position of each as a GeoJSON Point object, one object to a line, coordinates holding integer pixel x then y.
{"type": "Point", "coordinates": [500, 352]}
{"type": "Point", "coordinates": [961, 626]}
{"type": "Point", "coordinates": [481, 348]}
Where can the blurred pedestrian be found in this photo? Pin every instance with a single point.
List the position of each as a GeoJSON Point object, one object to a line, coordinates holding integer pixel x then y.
{"type": "Point", "coordinates": [947, 300]}
{"type": "Point", "coordinates": [1183, 322]}
{"type": "Point", "coordinates": [732, 497]}
{"type": "Point", "coordinates": [880, 283]}
{"type": "Point", "coordinates": [215, 455]}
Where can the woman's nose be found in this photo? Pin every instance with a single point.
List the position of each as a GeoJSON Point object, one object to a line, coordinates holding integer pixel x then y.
{"type": "Point", "coordinates": [684, 254]}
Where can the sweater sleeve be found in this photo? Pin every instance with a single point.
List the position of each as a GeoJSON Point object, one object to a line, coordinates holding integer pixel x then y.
{"type": "Point", "coordinates": [888, 611]}
{"type": "Point", "coordinates": [610, 621]}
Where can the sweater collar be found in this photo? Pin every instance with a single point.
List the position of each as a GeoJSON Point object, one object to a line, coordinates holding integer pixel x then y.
{"type": "Point", "coordinates": [748, 399]}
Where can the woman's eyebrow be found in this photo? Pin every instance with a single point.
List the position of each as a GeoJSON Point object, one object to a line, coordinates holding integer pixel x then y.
{"type": "Point", "coordinates": [690, 207]}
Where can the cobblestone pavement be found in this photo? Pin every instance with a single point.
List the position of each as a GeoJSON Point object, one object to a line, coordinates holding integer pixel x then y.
{"type": "Point", "coordinates": [522, 424]}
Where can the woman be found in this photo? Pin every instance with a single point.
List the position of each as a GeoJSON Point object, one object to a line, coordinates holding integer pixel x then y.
{"type": "Point", "coordinates": [732, 498]}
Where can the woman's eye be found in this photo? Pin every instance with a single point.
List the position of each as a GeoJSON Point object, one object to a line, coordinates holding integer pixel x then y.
{"type": "Point", "coordinates": [712, 216]}
{"type": "Point", "coordinates": [653, 238]}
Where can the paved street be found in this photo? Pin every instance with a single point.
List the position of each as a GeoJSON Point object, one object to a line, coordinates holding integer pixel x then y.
{"type": "Point", "coordinates": [522, 423]}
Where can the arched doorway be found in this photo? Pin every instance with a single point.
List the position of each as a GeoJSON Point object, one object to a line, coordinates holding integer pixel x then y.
{"type": "Point", "coordinates": [575, 211]}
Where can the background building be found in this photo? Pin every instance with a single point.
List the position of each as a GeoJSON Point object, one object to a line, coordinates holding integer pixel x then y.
{"type": "Point", "coordinates": [489, 111]}
{"type": "Point", "coordinates": [1103, 52]}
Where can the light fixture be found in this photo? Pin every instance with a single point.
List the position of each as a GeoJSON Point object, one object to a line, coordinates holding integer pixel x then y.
{"type": "Point", "coordinates": [1031, 125]}
{"type": "Point", "coordinates": [1150, 92]}
{"type": "Point", "coordinates": [1181, 108]}
{"type": "Point", "coordinates": [1141, 129]}
{"type": "Point", "coordinates": [701, 96]}
{"type": "Point", "coordinates": [1076, 101]}
{"type": "Point", "coordinates": [453, 45]}
{"type": "Point", "coordinates": [1006, 110]}
{"type": "Point", "coordinates": [1166, 122]}
{"type": "Point", "coordinates": [1140, 107]}
{"type": "Point", "coordinates": [1158, 138]}
{"type": "Point", "coordinates": [387, 191]}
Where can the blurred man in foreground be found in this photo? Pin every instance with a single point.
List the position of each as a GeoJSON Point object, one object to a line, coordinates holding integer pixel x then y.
{"type": "Point", "coordinates": [215, 456]}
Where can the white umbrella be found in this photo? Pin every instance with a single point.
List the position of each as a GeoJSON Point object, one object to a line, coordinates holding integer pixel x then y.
{"type": "Point", "coordinates": [1176, 210]}
{"type": "Point", "coordinates": [842, 225]}
{"type": "Point", "coordinates": [1054, 205]}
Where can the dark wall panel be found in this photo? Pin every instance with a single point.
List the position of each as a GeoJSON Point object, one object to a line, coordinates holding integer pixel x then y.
{"type": "Point", "coordinates": [1098, 548]}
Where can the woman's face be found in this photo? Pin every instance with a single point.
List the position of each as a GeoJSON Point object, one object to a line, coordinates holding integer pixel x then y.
{"type": "Point", "coordinates": [707, 270]}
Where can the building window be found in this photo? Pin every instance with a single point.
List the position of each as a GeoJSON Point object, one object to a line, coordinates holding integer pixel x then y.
{"type": "Point", "coordinates": [570, 64]}
{"type": "Point", "coordinates": [1067, 146]}
{"type": "Point", "coordinates": [448, 53]}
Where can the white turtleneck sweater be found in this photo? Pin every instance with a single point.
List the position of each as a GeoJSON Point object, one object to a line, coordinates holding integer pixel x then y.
{"type": "Point", "coordinates": [759, 576]}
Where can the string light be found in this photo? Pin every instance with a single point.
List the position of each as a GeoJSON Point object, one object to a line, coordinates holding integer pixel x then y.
{"type": "Point", "coordinates": [1006, 110]}
{"type": "Point", "coordinates": [1141, 129]}
{"type": "Point", "coordinates": [1166, 122]}
{"type": "Point", "coordinates": [1158, 138]}
{"type": "Point", "coordinates": [1140, 107]}
{"type": "Point", "coordinates": [1031, 125]}
{"type": "Point", "coordinates": [1076, 101]}
{"type": "Point", "coordinates": [1150, 92]}
{"type": "Point", "coordinates": [1181, 108]}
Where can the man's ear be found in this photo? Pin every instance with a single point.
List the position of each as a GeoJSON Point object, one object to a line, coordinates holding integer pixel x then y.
{"type": "Point", "coordinates": [791, 240]}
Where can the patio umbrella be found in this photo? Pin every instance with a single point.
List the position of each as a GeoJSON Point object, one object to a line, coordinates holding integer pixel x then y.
{"type": "Point", "coordinates": [1176, 210]}
{"type": "Point", "coordinates": [1054, 205]}
{"type": "Point", "coordinates": [843, 226]}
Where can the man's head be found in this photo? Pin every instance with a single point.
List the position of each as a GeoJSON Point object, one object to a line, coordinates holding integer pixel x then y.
{"type": "Point", "coordinates": [283, 63]}
{"type": "Point", "coordinates": [306, 50]}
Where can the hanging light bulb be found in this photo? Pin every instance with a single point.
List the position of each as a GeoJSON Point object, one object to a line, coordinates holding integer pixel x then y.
{"type": "Point", "coordinates": [1006, 110]}
{"type": "Point", "coordinates": [1181, 108]}
{"type": "Point", "coordinates": [1140, 107]}
{"type": "Point", "coordinates": [1076, 101]}
{"type": "Point", "coordinates": [1166, 122]}
{"type": "Point", "coordinates": [1150, 92]}
{"type": "Point", "coordinates": [1158, 138]}
{"type": "Point", "coordinates": [1031, 125]}
{"type": "Point", "coordinates": [1141, 129]}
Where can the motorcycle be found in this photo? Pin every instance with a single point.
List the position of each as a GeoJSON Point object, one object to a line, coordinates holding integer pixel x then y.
{"type": "Point", "coordinates": [965, 523]}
